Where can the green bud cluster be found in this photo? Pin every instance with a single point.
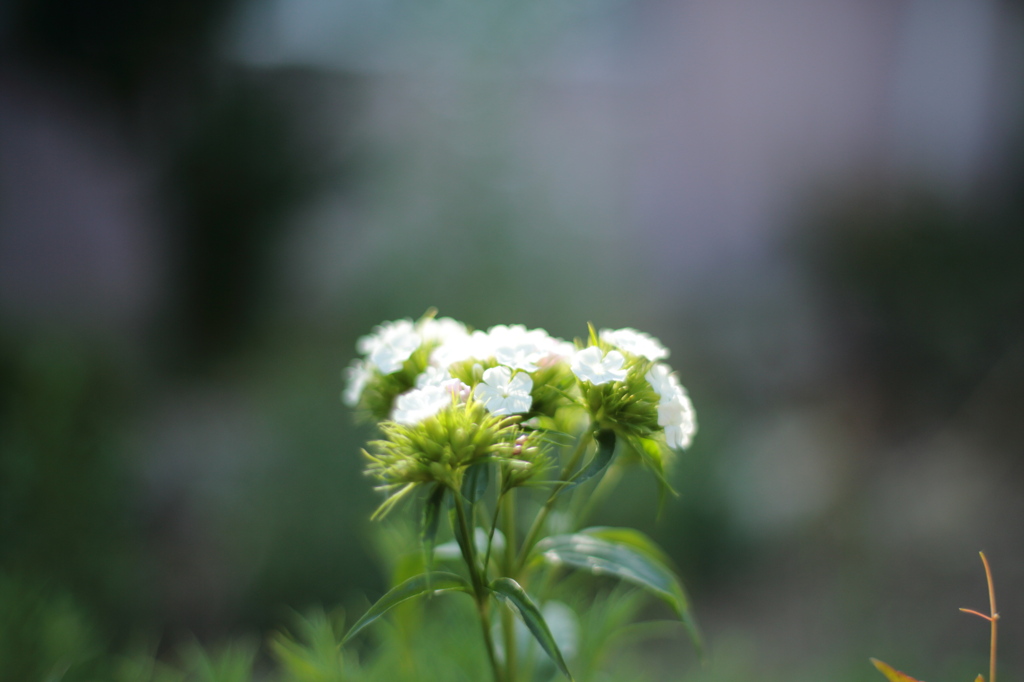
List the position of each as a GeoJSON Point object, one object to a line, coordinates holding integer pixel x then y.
{"type": "Point", "coordinates": [629, 407]}
{"type": "Point", "coordinates": [440, 448]}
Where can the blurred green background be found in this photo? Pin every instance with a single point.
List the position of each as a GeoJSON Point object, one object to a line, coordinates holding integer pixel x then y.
{"type": "Point", "coordinates": [819, 207]}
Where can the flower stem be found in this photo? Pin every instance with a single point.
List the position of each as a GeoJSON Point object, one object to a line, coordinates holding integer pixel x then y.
{"type": "Point", "coordinates": [490, 536]}
{"type": "Point", "coordinates": [480, 590]}
{"type": "Point", "coordinates": [508, 507]}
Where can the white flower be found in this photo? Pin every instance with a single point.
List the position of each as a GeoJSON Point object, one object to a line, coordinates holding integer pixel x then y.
{"type": "Point", "coordinates": [443, 329]}
{"type": "Point", "coordinates": [390, 345]}
{"type": "Point", "coordinates": [503, 393]}
{"type": "Point", "coordinates": [432, 376]}
{"type": "Point", "coordinates": [635, 342]}
{"type": "Point", "coordinates": [675, 411]}
{"type": "Point", "coordinates": [663, 380]}
{"type": "Point", "coordinates": [679, 420]}
{"type": "Point", "coordinates": [356, 375]}
{"type": "Point", "coordinates": [417, 404]}
{"type": "Point", "coordinates": [512, 345]}
{"type": "Point", "coordinates": [521, 349]}
{"type": "Point", "coordinates": [590, 364]}
{"type": "Point", "coordinates": [458, 348]}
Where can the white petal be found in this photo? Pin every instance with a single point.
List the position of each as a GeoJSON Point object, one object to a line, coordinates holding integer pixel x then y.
{"type": "Point", "coordinates": [357, 375]}
{"type": "Point", "coordinates": [635, 342]}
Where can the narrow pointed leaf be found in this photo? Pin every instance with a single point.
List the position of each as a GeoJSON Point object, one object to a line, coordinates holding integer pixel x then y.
{"type": "Point", "coordinates": [425, 583]}
{"type": "Point", "coordinates": [602, 458]}
{"type": "Point", "coordinates": [460, 538]}
{"type": "Point", "coordinates": [432, 515]}
{"type": "Point", "coordinates": [632, 538]}
{"type": "Point", "coordinates": [431, 521]}
{"type": "Point", "coordinates": [475, 481]}
{"type": "Point", "coordinates": [650, 453]}
{"type": "Point", "coordinates": [891, 673]}
{"type": "Point", "coordinates": [625, 554]}
{"type": "Point", "coordinates": [510, 591]}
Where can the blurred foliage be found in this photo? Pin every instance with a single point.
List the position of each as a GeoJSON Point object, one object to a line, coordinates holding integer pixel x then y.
{"type": "Point", "coordinates": [313, 653]}
{"type": "Point", "coordinates": [141, 665]}
{"type": "Point", "coordinates": [232, 662]}
{"type": "Point", "coordinates": [65, 502]}
{"type": "Point", "coordinates": [44, 633]}
{"type": "Point", "coordinates": [928, 297]}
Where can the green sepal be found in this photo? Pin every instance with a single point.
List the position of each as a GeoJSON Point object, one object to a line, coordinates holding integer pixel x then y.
{"type": "Point", "coordinates": [392, 499]}
{"type": "Point", "coordinates": [425, 583]}
{"type": "Point", "coordinates": [513, 594]}
{"type": "Point", "coordinates": [628, 555]}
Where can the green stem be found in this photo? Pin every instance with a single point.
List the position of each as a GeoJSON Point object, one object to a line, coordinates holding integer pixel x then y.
{"type": "Point", "coordinates": [490, 536]}
{"type": "Point", "coordinates": [508, 624]}
{"type": "Point", "coordinates": [508, 502]}
{"type": "Point", "coordinates": [480, 591]}
{"type": "Point", "coordinates": [538, 522]}
{"type": "Point", "coordinates": [489, 641]}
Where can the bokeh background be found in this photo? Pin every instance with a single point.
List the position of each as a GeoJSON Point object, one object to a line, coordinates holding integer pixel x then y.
{"type": "Point", "coordinates": [818, 206]}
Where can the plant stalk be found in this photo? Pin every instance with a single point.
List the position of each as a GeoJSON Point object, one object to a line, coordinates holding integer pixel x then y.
{"type": "Point", "coordinates": [480, 591]}
{"type": "Point", "coordinates": [508, 508]}
{"type": "Point", "coordinates": [993, 620]}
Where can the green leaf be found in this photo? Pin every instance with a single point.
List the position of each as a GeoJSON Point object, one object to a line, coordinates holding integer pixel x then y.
{"type": "Point", "coordinates": [475, 481]}
{"type": "Point", "coordinates": [652, 454]}
{"type": "Point", "coordinates": [514, 595]}
{"type": "Point", "coordinates": [432, 514]}
{"type": "Point", "coordinates": [602, 458]}
{"type": "Point", "coordinates": [628, 555]}
{"type": "Point", "coordinates": [460, 538]}
{"type": "Point", "coordinates": [425, 583]}
{"type": "Point", "coordinates": [431, 521]}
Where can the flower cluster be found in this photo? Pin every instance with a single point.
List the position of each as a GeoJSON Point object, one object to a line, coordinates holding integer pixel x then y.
{"type": "Point", "coordinates": [511, 381]}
